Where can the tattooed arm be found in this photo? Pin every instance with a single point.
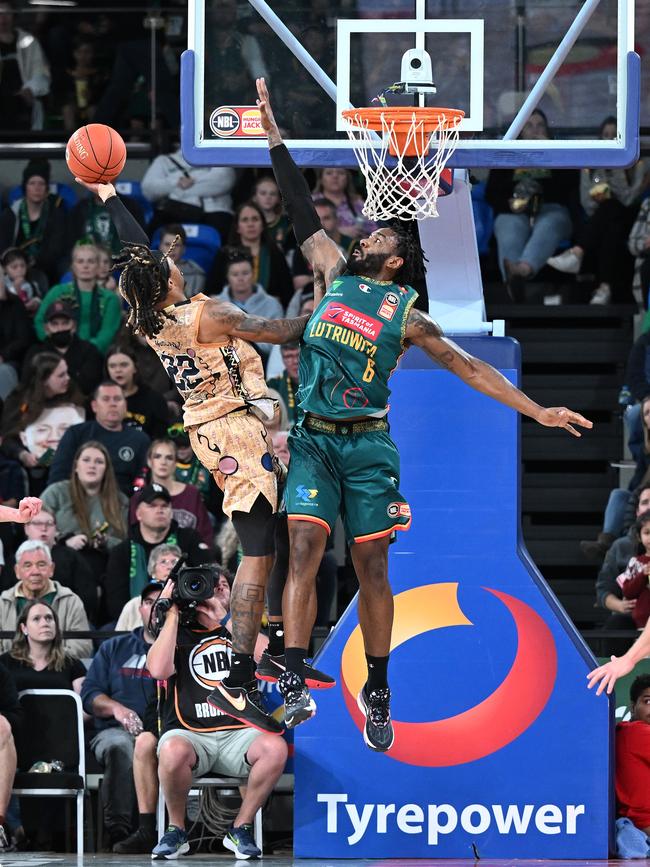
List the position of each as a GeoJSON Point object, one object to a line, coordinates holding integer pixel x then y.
{"type": "Point", "coordinates": [317, 247]}
{"type": "Point", "coordinates": [220, 318]}
{"type": "Point", "coordinates": [422, 331]}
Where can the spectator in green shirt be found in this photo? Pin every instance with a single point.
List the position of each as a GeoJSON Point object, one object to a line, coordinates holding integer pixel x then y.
{"type": "Point", "coordinates": [98, 309]}
{"type": "Point", "coordinates": [288, 383]}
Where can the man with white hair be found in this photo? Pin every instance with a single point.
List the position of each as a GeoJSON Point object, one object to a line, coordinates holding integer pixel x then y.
{"type": "Point", "coordinates": [34, 571]}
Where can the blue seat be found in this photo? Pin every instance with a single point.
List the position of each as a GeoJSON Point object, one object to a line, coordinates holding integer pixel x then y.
{"type": "Point", "coordinates": [67, 192]}
{"type": "Point", "coordinates": [483, 218]}
{"type": "Point", "coordinates": [202, 243]}
{"type": "Point", "coordinates": [134, 189]}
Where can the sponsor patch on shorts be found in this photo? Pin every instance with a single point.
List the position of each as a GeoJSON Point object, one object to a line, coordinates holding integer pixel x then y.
{"type": "Point", "coordinates": [399, 510]}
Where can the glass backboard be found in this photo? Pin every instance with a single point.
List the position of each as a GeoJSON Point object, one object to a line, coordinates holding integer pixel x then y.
{"type": "Point", "coordinates": [495, 59]}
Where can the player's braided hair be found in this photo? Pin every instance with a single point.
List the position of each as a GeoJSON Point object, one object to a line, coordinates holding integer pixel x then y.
{"type": "Point", "coordinates": [143, 285]}
{"type": "Point", "coordinates": [408, 248]}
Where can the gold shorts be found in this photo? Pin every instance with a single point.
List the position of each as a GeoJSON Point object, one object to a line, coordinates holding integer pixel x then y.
{"type": "Point", "coordinates": [237, 450]}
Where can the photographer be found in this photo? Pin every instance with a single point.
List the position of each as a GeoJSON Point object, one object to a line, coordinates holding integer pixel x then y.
{"type": "Point", "coordinates": [192, 652]}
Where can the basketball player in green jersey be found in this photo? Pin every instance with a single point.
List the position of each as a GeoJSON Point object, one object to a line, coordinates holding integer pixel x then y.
{"type": "Point", "coordinates": [342, 458]}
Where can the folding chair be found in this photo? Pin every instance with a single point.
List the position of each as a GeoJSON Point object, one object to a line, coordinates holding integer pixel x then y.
{"type": "Point", "coordinates": [52, 728]}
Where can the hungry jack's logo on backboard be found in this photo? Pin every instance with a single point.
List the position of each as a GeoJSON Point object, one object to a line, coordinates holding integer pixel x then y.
{"type": "Point", "coordinates": [486, 727]}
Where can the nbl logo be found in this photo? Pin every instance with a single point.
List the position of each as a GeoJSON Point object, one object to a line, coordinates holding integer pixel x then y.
{"type": "Point", "coordinates": [210, 662]}
{"type": "Point", "coordinates": [224, 122]}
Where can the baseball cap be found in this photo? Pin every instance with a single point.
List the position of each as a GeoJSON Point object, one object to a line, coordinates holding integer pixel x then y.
{"type": "Point", "coordinates": [152, 585]}
{"type": "Point", "coordinates": [154, 492]}
{"type": "Point", "coordinates": [63, 309]}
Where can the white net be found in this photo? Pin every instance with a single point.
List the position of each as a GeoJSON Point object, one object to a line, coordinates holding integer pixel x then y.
{"type": "Point", "coordinates": [401, 186]}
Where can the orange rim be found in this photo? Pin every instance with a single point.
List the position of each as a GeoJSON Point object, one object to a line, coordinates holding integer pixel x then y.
{"type": "Point", "coordinates": [405, 121]}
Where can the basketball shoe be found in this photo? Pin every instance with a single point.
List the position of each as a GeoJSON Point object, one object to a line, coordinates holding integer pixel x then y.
{"type": "Point", "coordinates": [298, 703]}
{"type": "Point", "coordinates": [244, 703]}
{"type": "Point", "coordinates": [378, 731]}
{"type": "Point", "coordinates": [270, 668]}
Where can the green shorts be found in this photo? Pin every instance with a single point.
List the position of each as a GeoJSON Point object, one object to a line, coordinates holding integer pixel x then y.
{"type": "Point", "coordinates": [350, 471]}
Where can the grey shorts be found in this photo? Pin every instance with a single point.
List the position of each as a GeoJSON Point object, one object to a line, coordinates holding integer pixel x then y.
{"type": "Point", "coordinates": [221, 753]}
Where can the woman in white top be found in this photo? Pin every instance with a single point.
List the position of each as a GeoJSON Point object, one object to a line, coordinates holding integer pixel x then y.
{"type": "Point", "coordinates": [189, 194]}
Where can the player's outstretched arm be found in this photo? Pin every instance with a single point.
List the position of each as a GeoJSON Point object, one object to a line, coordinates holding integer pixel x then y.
{"type": "Point", "coordinates": [606, 675]}
{"type": "Point", "coordinates": [128, 228]}
{"type": "Point", "coordinates": [422, 331]}
{"type": "Point", "coordinates": [220, 318]}
{"type": "Point", "coordinates": [28, 508]}
{"type": "Point", "coordinates": [317, 247]}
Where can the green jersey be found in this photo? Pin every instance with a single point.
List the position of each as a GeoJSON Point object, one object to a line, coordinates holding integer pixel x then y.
{"type": "Point", "coordinates": [350, 347]}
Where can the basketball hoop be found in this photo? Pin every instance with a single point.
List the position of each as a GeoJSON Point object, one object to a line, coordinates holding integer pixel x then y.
{"type": "Point", "coordinates": [421, 140]}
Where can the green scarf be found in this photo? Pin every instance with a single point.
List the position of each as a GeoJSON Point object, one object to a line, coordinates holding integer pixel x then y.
{"type": "Point", "coordinates": [95, 307]}
{"type": "Point", "coordinates": [32, 235]}
{"type": "Point", "coordinates": [138, 574]}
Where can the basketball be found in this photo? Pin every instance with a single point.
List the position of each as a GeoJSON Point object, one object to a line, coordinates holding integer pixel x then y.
{"type": "Point", "coordinates": [95, 153]}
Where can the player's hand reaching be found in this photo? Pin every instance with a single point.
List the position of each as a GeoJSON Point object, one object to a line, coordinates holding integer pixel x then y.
{"type": "Point", "coordinates": [104, 191]}
{"type": "Point", "coordinates": [560, 416]}
{"type": "Point", "coordinates": [269, 125]}
{"type": "Point", "coordinates": [606, 675]}
{"type": "Point", "coordinates": [28, 508]}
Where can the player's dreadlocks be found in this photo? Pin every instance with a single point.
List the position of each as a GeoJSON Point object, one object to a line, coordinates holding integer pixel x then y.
{"type": "Point", "coordinates": [143, 285]}
{"type": "Point", "coordinates": [408, 248]}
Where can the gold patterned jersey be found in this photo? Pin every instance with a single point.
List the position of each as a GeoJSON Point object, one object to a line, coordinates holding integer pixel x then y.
{"type": "Point", "coordinates": [213, 378]}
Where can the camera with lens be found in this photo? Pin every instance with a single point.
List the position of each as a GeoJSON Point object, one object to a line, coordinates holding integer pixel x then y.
{"type": "Point", "coordinates": [192, 584]}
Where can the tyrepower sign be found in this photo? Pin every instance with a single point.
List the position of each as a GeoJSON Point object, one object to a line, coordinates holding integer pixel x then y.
{"type": "Point", "coordinates": [236, 121]}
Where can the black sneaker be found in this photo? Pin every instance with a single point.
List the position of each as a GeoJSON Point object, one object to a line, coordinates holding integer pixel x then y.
{"type": "Point", "coordinates": [378, 731]}
{"type": "Point", "coordinates": [244, 703]}
{"type": "Point", "coordinates": [298, 704]}
{"type": "Point", "coordinates": [270, 668]}
{"type": "Point", "coordinates": [141, 842]}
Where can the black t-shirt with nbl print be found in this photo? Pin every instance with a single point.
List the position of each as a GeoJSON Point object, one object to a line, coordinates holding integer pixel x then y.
{"type": "Point", "coordinates": [202, 660]}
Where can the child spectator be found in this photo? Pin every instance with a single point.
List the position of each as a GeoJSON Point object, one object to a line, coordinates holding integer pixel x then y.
{"type": "Point", "coordinates": [173, 239]}
{"type": "Point", "coordinates": [634, 580]}
{"type": "Point", "coordinates": [146, 410]}
{"type": "Point", "coordinates": [266, 194]}
{"type": "Point", "coordinates": [270, 269]}
{"type": "Point", "coordinates": [14, 263]}
{"type": "Point", "coordinates": [633, 758]}
{"type": "Point", "coordinates": [188, 509]}
{"type": "Point", "coordinates": [99, 310]}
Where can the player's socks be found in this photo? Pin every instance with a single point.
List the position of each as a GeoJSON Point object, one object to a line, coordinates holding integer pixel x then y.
{"type": "Point", "coordinates": [276, 638]}
{"type": "Point", "coordinates": [377, 672]}
{"type": "Point", "coordinates": [295, 660]}
{"type": "Point", "coordinates": [242, 669]}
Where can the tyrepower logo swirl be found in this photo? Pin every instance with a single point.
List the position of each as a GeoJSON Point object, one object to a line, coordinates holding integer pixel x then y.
{"type": "Point", "coordinates": [486, 727]}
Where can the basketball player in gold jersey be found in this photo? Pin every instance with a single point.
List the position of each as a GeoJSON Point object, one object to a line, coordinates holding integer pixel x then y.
{"type": "Point", "coordinates": [204, 346]}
